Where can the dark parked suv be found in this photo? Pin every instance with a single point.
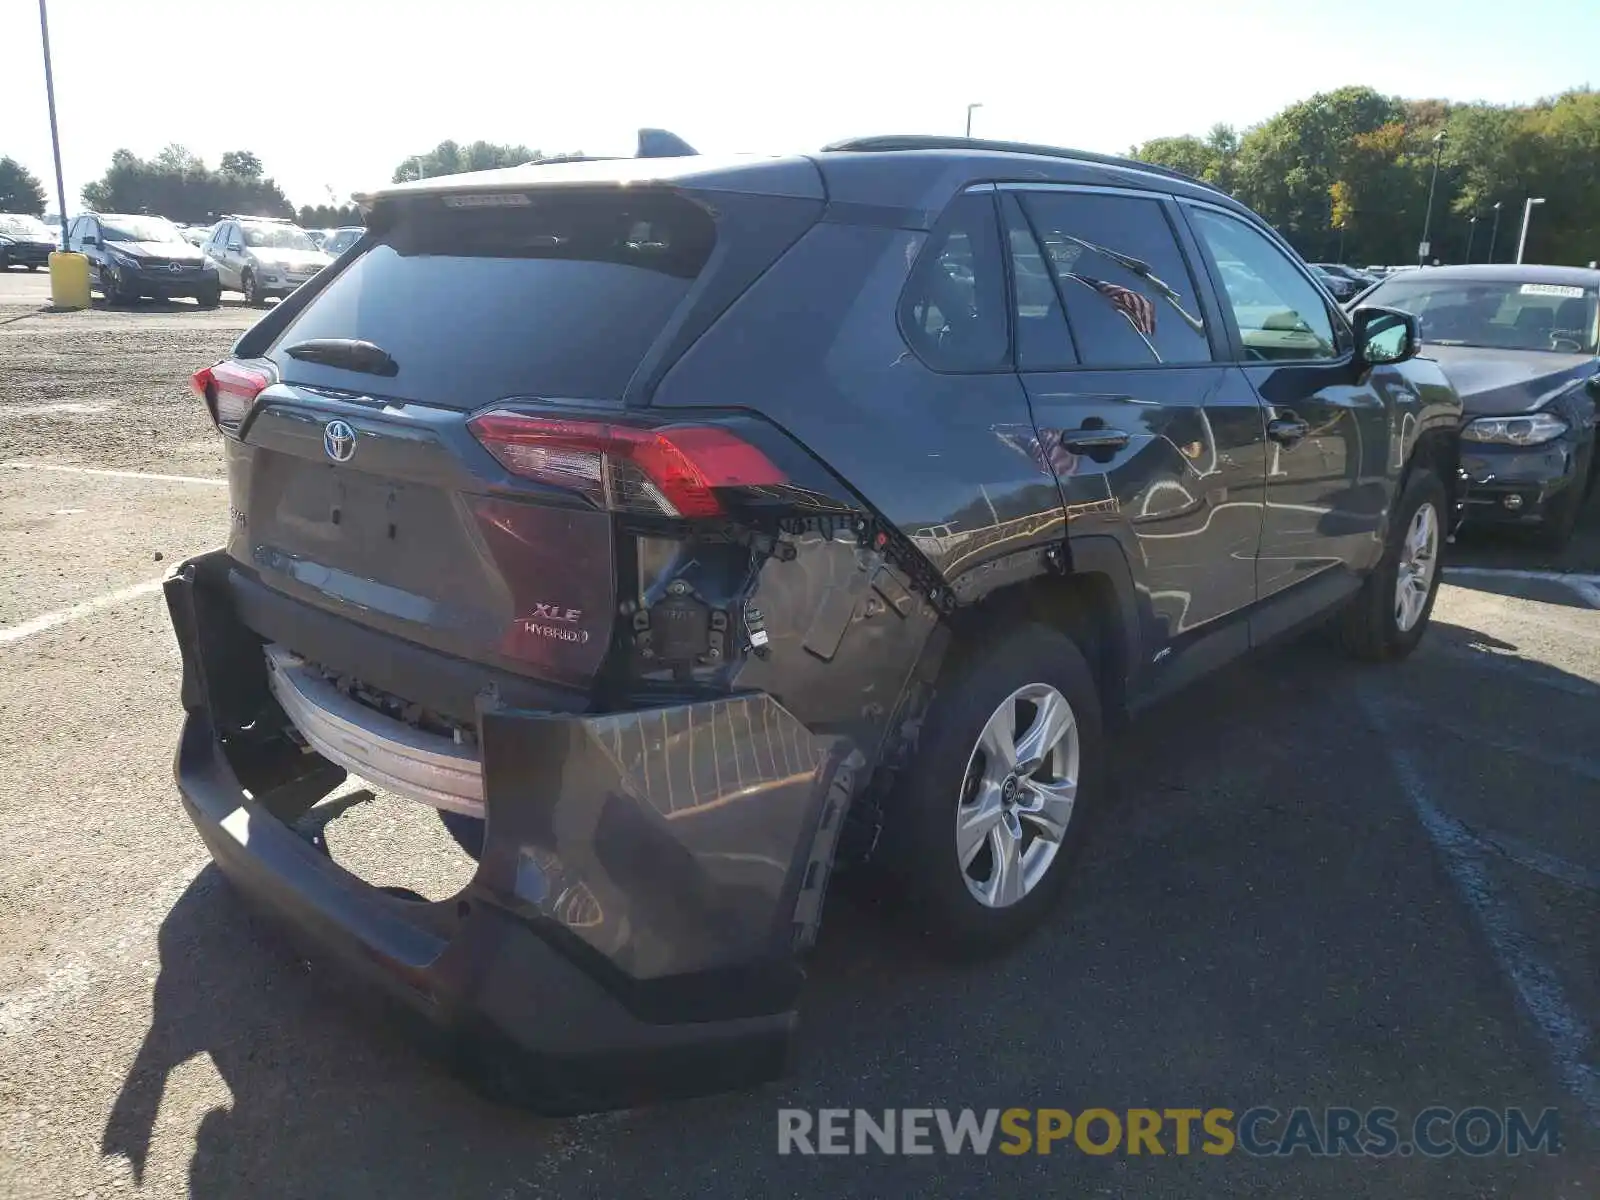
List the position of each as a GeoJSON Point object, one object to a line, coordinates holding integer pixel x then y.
{"type": "Point", "coordinates": [134, 256]}
{"type": "Point", "coordinates": [678, 527]}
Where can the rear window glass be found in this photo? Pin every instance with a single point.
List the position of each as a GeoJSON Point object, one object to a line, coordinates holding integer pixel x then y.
{"type": "Point", "coordinates": [558, 297]}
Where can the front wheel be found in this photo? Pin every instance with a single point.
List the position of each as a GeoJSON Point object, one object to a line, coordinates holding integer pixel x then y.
{"type": "Point", "coordinates": [253, 294]}
{"type": "Point", "coordinates": [110, 288]}
{"type": "Point", "coordinates": [1385, 620]}
{"type": "Point", "coordinates": [210, 298]}
{"type": "Point", "coordinates": [982, 829]}
{"type": "Point", "coordinates": [33, 266]}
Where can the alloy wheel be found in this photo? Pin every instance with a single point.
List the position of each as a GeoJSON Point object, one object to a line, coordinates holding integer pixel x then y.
{"type": "Point", "coordinates": [1419, 560]}
{"type": "Point", "coordinates": [1017, 795]}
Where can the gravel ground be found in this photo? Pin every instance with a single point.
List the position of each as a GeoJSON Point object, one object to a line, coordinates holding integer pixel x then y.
{"type": "Point", "coordinates": [1320, 885]}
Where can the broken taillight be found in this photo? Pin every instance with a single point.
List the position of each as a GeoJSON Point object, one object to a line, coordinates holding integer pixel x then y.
{"type": "Point", "coordinates": [228, 389]}
{"type": "Point", "coordinates": [673, 471]}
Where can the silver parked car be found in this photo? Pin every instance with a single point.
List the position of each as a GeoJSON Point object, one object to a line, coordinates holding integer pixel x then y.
{"type": "Point", "coordinates": [263, 256]}
{"type": "Point", "coordinates": [340, 240]}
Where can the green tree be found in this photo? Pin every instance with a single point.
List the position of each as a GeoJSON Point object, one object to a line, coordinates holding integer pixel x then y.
{"type": "Point", "coordinates": [178, 184]}
{"type": "Point", "coordinates": [20, 189]}
{"type": "Point", "coordinates": [1286, 167]}
{"type": "Point", "coordinates": [1210, 159]}
{"type": "Point", "coordinates": [451, 158]}
{"type": "Point", "coordinates": [329, 216]}
{"type": "Point", "coordinates": [242, 163]}
{"type": "Point", "coordinates": [1347, 173]}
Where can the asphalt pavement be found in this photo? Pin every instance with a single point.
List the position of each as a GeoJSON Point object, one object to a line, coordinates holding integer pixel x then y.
{"type": "Point", "coordinates": [1317, 884]}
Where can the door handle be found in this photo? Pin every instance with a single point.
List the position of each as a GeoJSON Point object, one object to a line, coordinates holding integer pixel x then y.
{"type": "Point", "coordinates": [1094, 439]}
{"type": "Point", "coordinates": [1287, 431]}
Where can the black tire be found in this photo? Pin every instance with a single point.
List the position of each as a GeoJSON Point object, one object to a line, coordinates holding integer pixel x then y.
{"type": "Point", "coordinates": [209, 299]}
{"type": "Point", "coordinates": [109, 288]}
{"type": "Point", "coordinates": [33, 266]}
{"type": "Point", "coordinates": [253, 294]}
{"type": "Point", "coordinates": [1368, 626]}
{"type": "Point", "coordinates": [918, 846]}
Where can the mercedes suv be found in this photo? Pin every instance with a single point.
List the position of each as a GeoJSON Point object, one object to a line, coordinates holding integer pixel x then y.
{"type": "Point", "coordinates": [683, 527]}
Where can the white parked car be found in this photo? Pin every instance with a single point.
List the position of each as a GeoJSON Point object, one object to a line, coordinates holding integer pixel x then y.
{"type": "Point", "coordinates": [263, 256]}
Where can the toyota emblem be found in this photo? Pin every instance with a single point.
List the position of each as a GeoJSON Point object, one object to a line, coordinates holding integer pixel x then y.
{"type": "Point", "coordinates": [339, 440]}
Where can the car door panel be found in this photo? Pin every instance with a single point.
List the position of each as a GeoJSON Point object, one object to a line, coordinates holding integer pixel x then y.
{"type": "Point", "coordinates": [1331, 449]}
{"type": "Point", "coordinates": [1169, 457]}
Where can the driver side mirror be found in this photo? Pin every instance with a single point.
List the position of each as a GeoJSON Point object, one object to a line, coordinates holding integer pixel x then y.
{"type": "Point", "coordinates": [1386, 335]}
{"type": "Point", "coordinates": [236, 247]}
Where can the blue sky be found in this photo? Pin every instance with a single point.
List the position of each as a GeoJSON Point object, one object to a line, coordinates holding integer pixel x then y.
{"type": "Point", "coordinates": [332, 94]}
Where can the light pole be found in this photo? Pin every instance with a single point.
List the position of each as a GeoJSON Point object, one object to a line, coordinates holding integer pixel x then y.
{"type": "Point", "coordinates": [1527, 215]}
{"type": "Point", "coordinates": [1472, 233]}
{"type": "Point", "coordinates": [1494, 232]}
{"type": "Point", "coordinates": [55, 139]}
{"type": "Point", "coordinates": [1427, 219]}
{"type": "Point", "coordinates": [970, 107]}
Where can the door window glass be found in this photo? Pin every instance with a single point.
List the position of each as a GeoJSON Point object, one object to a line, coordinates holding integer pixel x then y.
{"type": "Point", "coordinates": [1044, 342]}
{"type": "Point", "coordinates": [1280, 313]}
{"type": "Point", "coordinates": [953, 312]}
{"type": "Point", "coordinates": [1129, 297]}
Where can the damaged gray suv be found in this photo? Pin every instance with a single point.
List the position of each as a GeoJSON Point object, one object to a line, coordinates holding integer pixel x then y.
{"type": "Point", "coordinates": [688, 527]}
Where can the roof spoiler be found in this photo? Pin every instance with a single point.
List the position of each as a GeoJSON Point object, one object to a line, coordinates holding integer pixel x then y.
{"type": "Point", "coordinates": [653, 143]}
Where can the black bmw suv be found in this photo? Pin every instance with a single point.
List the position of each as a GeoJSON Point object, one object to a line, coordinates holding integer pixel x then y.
{"type": "Point", "coordinates": [682, 526]}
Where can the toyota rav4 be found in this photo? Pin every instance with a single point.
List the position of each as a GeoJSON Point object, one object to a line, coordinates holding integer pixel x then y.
{"type": "Point", "coordinates": [686, 526]}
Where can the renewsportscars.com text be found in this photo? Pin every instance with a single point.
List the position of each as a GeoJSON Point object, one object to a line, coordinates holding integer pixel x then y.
{"type": "Point", "coordinates": [1432, 1132]}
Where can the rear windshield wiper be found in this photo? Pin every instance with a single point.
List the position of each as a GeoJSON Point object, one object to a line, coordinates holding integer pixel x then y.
{"type": "Point", "coordinates": [350, 353]}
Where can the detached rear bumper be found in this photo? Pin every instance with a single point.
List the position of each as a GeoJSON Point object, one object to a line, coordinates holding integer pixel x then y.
{"type": "Point", "coordinates": [645, 882]}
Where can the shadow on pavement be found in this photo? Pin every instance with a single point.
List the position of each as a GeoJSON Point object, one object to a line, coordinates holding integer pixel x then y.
{"type": "Point", "coordinates": [1258, 920]}
{"type": "Point", "coordinates": [1483, 545]}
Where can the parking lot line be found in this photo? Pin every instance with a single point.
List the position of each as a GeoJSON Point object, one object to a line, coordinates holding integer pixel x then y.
{"type": "Point", "coordinates": [1536, 984]}
{"type": "Point", "coordinates": [33, 466]}
{"type": "Point", "coordinates": [49, 620]}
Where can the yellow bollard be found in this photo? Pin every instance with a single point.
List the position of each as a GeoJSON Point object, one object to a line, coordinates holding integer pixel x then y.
{"type": "Point", "coordinates": [69, 280]}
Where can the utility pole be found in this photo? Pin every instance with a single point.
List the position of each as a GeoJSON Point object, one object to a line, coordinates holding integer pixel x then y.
{"type": "Point", "coordinates": [1427, 220]}
{"type": "Point", "coordinates": [1527, 215]}
{"type": "Point", "coordinates": [55, 138]}
{"type": "Point", "coordinates": [970, 107]}
{"type": "Point", "coordinates": [1494, 233]}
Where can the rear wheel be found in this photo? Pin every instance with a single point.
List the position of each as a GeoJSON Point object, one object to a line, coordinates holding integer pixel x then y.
{"type": "Point", "coordinates": [1385, 620]}
{"type": "Point", "coordinates": [982, 829]}
{"type": "Point", "coordinates": [33, 266]}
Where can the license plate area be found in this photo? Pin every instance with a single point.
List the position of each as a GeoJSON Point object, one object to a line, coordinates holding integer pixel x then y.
{"type": "Point", "coordinates": [364, 516]}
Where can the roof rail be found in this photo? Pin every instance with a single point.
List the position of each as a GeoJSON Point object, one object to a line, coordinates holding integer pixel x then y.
{"type": "Point", "coordinates": [252, 217]}
{"type": "Point", "coordinates": [922, 141]}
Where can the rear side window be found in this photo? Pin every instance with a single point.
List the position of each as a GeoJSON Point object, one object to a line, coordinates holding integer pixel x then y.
{"type": "Point", "coordinates": [954, 309]}
{"type": "Point", "coordinates": [1129, 296]}
{"type": "Point", "coordinates": [556, 296]}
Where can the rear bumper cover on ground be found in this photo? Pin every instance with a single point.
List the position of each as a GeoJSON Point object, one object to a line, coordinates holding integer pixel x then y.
{"type": "Point", "coordinates": [645, 882]}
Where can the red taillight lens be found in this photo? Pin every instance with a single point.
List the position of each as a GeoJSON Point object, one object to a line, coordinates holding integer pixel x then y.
{"type": "Point", "coordinates": [228, 390]}
{"type": "Point", "coordinates": [673, 471]}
